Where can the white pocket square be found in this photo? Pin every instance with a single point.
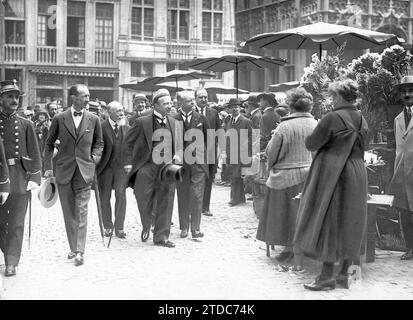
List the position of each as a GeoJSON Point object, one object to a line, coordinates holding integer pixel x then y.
{"type": "Point", "coordinates": [87, 130]}
{"type": "Point", "coordinates": [199, 124]}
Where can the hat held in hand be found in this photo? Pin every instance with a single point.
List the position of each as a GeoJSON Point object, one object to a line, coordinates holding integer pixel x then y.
{"type": "Point", "coordinates": [48, 194]}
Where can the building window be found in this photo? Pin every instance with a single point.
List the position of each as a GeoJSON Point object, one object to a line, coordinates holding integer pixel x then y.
{"type": "Point", "coordinates": [46, 25]}
{"type": "Point", "coordinates": [141, 69]}
{"type": "Point", "coordinates": [104, 26]}
{"type": "Point", "coordinates": [14, 21]}
{"type": "Point", "coordinates": [142, 19]}
{"type": "Point", "coordinates": [178, 19]}
{"type": "Point", "coordinates": [76, 24]}
{"type": "Point", "coordinates": [212, 21]}
{"type": "Point", "coordinates": [170, 66]}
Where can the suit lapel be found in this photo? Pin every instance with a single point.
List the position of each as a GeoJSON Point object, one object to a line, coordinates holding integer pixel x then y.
{"type": "Point", "coordinates": [148, 130]}
{"type": "Point", "coordinates": [68, 122]}
{"type": "Point", "coordinates": [109, 131]}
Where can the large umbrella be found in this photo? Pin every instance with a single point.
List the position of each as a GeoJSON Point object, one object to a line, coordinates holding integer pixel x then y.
{"type": "Point", "coordinates": [218, 88]}
{"type": "Point", "coordinates": [176, 75]}
{"type": "Point", "coordinates": [282, 87]}
{"type": "Point", "coordinates": [322, 36]}
{"type": "Point", "coordinates": [138, 86]}
{"type": "Point", "coordinates": [234, 61]}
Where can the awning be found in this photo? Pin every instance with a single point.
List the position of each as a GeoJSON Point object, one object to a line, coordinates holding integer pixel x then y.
{"type": "Point", "coordinates": [76, 73]}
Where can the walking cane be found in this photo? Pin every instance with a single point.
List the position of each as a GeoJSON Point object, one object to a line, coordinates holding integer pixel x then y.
{"type": "Point", "coordinates": [30, 216]}
{"type": "Point", "coordinates": [99, 206]}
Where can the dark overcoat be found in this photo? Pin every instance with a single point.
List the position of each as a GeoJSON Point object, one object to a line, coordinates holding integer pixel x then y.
{"type": "Point", "coordinates": [332, 215]}
{"type": "Point", "coordinates": [237, 147]}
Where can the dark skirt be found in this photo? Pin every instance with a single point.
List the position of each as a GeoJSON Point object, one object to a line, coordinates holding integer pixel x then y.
{"type": "Point", "coordinates": [278, 219]}
{"type": "Point", "coordinates": [341, 232]}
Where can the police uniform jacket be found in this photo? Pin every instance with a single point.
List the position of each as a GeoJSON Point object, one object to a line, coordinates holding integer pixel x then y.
{"type": "Point", "coordinates": [21, 151]}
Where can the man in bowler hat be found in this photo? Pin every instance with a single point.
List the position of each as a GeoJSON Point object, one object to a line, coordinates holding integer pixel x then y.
{"type": "Point", "coordinates": [269, 119]}
{"type": "Point", "coordinates": [81, 145]}
{"type": "Point", "coordinates": [238, 128]}
{"type": "Point", "coordinates": [110, 170]}
{"type": "Point", "coordinates": [401, 186]}
{"type": "Point", "coordinates": [24, 164]}
{"type": "Point", "coordinates": [145, 156]}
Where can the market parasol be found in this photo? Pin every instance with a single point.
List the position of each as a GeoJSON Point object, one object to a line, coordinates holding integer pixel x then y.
{"type": "Point", "coordinates": [234, 62]}
{"type": "Point", "coordinates": [322, 36]}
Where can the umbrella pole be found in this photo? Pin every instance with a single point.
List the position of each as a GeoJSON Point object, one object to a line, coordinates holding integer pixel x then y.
{"type": "Point", "coordinates": [236, 76]}
{"type": "Point", "coordinates": [321, 51]}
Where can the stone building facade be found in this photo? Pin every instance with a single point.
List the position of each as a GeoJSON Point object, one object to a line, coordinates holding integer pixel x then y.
{"type": "Point", "coordinates": [49, 45]}
{"type": "Point", "coordinates": [259, 16]}
{"type": "Point", "coordinates": [162, 34]}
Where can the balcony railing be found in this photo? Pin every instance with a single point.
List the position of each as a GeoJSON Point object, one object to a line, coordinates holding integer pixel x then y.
{"type": "Point", "coordinates": [178, 51]}
{"type": "Point", "coordinates": [47, 55]}
{"type": "Point", "coordinates": [14, 53]}
{"type": "Point", "coordinates": [104, 57]}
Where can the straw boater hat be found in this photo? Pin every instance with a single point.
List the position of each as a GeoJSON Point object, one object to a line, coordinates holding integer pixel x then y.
{"type": "Point", "coordinates": [48, 192]}
{"type": "Point", "coordinates": [404, 82]}
{"type": "Point", "coordinates": [140, 96]}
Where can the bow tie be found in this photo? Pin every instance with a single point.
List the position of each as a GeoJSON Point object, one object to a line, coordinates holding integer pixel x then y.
{"type": "Point", "coordinates": [77, 114]}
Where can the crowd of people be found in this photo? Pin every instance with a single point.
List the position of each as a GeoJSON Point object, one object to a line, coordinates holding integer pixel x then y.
{"type": "Point", "coordinates": [94, 145]}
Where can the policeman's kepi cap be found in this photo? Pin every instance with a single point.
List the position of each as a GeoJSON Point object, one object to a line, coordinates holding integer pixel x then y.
{"type": "Point", "coordinates": [9, 86]}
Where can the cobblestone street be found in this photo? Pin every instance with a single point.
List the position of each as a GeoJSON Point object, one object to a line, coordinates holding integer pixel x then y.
{"type": "Point", "coordinates": [228, 263]}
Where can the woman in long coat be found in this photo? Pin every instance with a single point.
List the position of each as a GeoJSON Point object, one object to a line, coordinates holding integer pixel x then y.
{"type": "Point", "coordinates": [288, 164]}
{"type": "Point", "coordinates": [332, 215]}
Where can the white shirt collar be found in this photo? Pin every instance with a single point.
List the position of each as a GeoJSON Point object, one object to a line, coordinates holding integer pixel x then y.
{"type": "Point", "coordinates": [73, 110]}
{"type": "Point", "coordinates": [267, 108]}
{"type": "Point", "coordinates": [236, 118]}
{"type": "Point", "coordinates": [156, 113]}
{"type": "Point", "coordinates": [255, 110]}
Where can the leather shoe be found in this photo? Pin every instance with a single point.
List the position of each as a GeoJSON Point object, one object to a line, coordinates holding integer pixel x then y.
{"type": "Point", "coordinates": [145, 235]}
{"type": "Point", "coordinates": [79, 260]}
{"type": "Point", "coordinates": [167, 244]}
{"type": "Point", "coordinates": [184, 233]}
{"type": "Point", "coordinates": [407, 256]}
{"type": "Point", "coordinates": [108, 232]}
{"type": "Point", "coordinates": [120, 234]}
{"type": "Point", "coordinates": [71, 255]}
{"type": "Point", "coordinates": [321, 285]}
{"type": "Point", "coordinates": [10, 270]}
{"type": "Point", "coordinates": [344, 280]}
{"type": "Point", "coordinates": [207, 213]}
{"type": "Point", "coordinates": [197, 234]}
{"type": "Point", "coordinates": [285, 256]}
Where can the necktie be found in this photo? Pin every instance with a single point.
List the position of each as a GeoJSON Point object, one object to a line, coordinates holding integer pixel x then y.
{"type": "Point", "coordinates": [116, 129]}
{"type": "Point", "coordinates": [186, 117]}
{"type": "Point", "coordinates": [407, 116]}
{"type": "Point", "coordinates": [77, 114]}
{"type": "Point", "coordinates": [233, 121]}
{"type": "Point", "coordinates": [161, 121]}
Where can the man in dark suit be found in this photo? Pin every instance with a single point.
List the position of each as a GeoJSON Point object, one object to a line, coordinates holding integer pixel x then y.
{"type": "Point", "coordinates": [80, 135]}
{"type": "Point", "coordinates": [270, 119]}
{"type": "Point", "coordinates": [110, 172]}
{"type": "Point", "coordinates": [191, 189]}
{"type": "Point", "coordinates": [254, 111]}
{"type": "Point", "coordinates": [144, 157]}
{"type": "Point", "coordinates": [239, 139]}
{"type": "Point", "coordinates": [201, 98]}
{"type": "Point", "coordinates": [23, 160]}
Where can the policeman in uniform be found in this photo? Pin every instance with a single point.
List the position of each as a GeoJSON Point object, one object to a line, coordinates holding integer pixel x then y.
{"type": "Point", "coordinates": [24, 164]}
